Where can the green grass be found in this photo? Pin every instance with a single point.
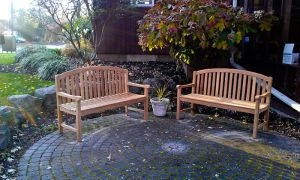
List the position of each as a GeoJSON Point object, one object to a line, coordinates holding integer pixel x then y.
{"type": "Point", "coordinates": [15, 84]}
{"type": "Point", "coordinates": [7, 58]}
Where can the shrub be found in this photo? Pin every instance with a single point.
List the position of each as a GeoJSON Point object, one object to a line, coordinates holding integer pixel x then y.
{"type": "Point", "coordinates": [28, 50]}
{"type": "Point", "coordinates": [32, 62]}
{"type": "Point", "coordinates": [51, 68]}
{"type": "Point", "coordinates": [189, 28]}
{"type": "Point", "coordinates": [56, 51]}
{"type": "Point", "coordinates": [69, 51]}
{"type": "Point", "coordinates": [86, 50]}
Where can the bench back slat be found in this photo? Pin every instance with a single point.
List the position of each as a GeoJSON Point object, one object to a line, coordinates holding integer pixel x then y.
{"type": "Point", "coordinates": [85, 92]}
{"type": "Point", "coordinates": [213, 83]}
{"type": "Point", "coordinates": [244, 86]}
{"type": "Point", "coordinates": [226, 85]}
{"type": "Point", "coordinates": [254, 87]}
{"type": "Point", "coordinates": [217, 84]}
{"type": "Point", "coordinates": [231, 83]}
{"type": "Point", "coordinates": [235, 80]}
{"type": "Point", "coordinates": [92, 82]}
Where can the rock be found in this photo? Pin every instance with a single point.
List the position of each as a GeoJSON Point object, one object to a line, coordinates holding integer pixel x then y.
{"type": "Point", "coordinates": [11, 116]}
{"type": "Point", "coordinates": [171, 84]}
{"type": "Point", "coordinates": [28, 105]}
{"type": "Point", "coordinates": [4, 136]}
{"type": "Point", "coordinates": [154, 82]}
{"type": "Point", "coordinates": [48, 96]}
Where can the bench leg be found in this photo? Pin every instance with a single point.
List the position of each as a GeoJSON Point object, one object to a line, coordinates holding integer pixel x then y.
{"type": "Point", "coordinates": [255, 124]}
{"type": "Point", "coordinates": [266, 120]}
{"type": "Point", "coordinates": [178, 109]}
{"type": "Point", "coordinates": [78, 128]}
{"type": "Point", "coordinates": [146, 112]}
{"type": "Point", "coordinates": [59, 119]}
{"type": "Point", "coordinates": [192, 109]}
{"type": "Point", "coordinates": [126, 110]}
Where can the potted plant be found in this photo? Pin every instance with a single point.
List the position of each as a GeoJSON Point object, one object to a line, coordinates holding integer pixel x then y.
{"type": "Point", "coordinates": [160, 102]}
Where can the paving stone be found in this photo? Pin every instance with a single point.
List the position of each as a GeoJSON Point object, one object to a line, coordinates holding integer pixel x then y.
{"type": "Point", "coordinates": [47, 177]}
{"type": "Point", "coordinates": [119, 146]}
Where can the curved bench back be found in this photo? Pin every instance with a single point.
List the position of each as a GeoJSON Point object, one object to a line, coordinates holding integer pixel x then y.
{"type": "Point", "coordinates": [231, 83]}
{"type": "Point", "coordinates": [93, 81]}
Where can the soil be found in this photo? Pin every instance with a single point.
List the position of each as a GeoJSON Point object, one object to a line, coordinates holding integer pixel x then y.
{"type": "Point", "coordinates": [164, 72]}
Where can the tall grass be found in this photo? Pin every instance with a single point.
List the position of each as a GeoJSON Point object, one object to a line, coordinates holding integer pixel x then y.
{"type": "Point", "coordinates": [43, 62]}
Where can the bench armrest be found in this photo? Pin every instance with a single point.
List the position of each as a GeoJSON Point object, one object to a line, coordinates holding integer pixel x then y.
{"type": "Point", "coordinates": [145, 86]}
{"type": "Point", "coordinates": [185, 86]}
{"type": "Point", "coordinates": [139, 85]}
{"type": "Point", "coordinates": [180, 87]}
{"type": "Point", "coordinates": [69, 96]}
{"type": "Point", "coordinates": [264, 95]}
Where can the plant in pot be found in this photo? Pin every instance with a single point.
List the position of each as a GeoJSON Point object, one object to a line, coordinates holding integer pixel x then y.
{"type": "Point", "coordinates": [160, 101]}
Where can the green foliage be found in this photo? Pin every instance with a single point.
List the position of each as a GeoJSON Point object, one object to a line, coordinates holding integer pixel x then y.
{"type": "Point", "coordinates": [56, 51]}
{"type": "Point", "coordinates": [46, 63]}
{"type": "Point", "coordinates": [81, 34]}
{"type": "Point", "coordinates": [7, 58]}
{"type": "Point", "coordinates": [81, 27]}
{"type": "Point", "coordinates": [161, 92]}
{"type": "Point", "coordinates": [189, 27]}
{"type": "Point", "coordinates": [28, 50]}
{"type": "Point", "coordinates": [32, 62]}
{"type": "Point", "coordinates": [13, 84]}
{"type": "Point", "coordinates": [69, 51]}
{"type": "Point", "coordinates": [86, 50]}
{"type": "Point", "coordinates": [51, 68]}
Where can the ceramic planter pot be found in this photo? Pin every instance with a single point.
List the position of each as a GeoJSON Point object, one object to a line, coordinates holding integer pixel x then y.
{"type": "Point", "coordinates": [160, 107]}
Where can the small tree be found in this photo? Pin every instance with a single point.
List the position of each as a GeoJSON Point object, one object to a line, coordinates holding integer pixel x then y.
{"type": "Point", "coordinates": [27, 24]}
{"type": "Point", "coordinates": [73, 17]}
{"type": "Point", "coordinates": [192, 27]}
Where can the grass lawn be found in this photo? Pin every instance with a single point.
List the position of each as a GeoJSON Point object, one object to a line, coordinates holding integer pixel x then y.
{"type": "Point", "coordinates": [15, 84]}
{"type": "Point", "coordinates": [7, 58]}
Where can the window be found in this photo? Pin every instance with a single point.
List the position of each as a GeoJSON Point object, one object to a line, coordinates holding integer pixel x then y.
{"type": "Point", "coordinates": [142, 3]}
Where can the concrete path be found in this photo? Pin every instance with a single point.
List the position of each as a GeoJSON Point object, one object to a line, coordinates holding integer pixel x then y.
{"type": "Point", "coordinates": [199, 147]}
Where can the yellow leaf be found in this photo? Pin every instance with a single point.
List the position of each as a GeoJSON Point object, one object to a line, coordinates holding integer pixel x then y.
{"type": "Point", "coordinates": [220, 25]}
{"type": "Point", "coordinates": [238, 37]}
{"type": "Point", "coordinates": [212, 18]}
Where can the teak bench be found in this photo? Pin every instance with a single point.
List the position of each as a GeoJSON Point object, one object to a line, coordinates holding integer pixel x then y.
{"type": "Point", "coordinates": [231, 89]}
{"type": "Point", "coordinates": [94, 89]}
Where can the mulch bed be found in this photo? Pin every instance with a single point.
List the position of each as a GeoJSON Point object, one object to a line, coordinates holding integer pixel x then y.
{"type": "Point", "coordinates": [23, 138]}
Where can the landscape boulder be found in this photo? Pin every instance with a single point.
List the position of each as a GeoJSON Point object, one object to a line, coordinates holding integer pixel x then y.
{"type": "Point", "coordinates": [11, 116]}
{"type": "Point", "coordinates": [28, 105]}
{"type": "Point", "coordinates": [48, 96]}
{"type": "Point", "coordinates": [4, 136]}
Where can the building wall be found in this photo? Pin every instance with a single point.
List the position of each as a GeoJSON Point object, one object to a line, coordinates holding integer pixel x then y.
{"type": "Point", "coordinates": [264, 53]}
{"type": "Point", "coordinates": [116, 32]}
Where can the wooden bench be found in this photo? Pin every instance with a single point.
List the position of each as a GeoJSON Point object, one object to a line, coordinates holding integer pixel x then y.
{"type": "Point", "coordinates": [231, 89]}
{"type": "Point", "coordinates": [95, 89]}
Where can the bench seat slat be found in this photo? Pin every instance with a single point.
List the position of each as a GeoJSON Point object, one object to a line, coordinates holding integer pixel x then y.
{"type": "Point", "coordinates": [103, 103]}
{"type": "Point", "coordinates": [225, 103]}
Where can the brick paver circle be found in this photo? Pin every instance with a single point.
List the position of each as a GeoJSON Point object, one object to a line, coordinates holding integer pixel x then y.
{"type": "Point", "coordinates": [124, 148]}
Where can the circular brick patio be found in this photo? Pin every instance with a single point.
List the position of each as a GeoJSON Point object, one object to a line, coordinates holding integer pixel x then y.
{"type": "Point", "coordinates": [119, 147]}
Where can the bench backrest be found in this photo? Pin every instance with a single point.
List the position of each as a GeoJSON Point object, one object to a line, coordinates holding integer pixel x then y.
{"type": "Point", "coordinates": [231, 84]}
{"type": "Point", "coordinates": [93, 81]}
